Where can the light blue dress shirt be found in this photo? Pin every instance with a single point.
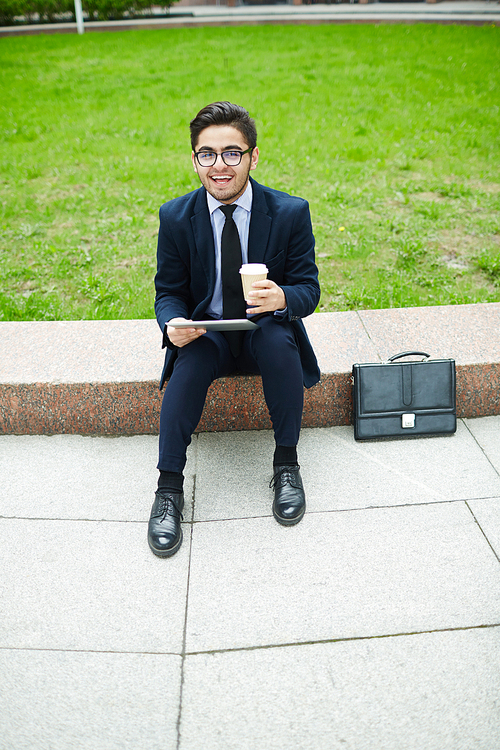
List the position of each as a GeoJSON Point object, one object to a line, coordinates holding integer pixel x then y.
{"type": "Point", "coordinates": [241, 218]}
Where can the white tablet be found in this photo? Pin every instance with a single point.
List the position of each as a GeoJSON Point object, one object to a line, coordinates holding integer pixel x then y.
{"type": "Point", "coordinates": [216, 325]}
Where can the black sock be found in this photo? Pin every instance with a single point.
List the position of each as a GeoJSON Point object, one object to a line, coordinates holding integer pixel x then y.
{"type": "Point", "coordinates": [172, 481]}
{"type": "Point", "coordinates": [285, 455]}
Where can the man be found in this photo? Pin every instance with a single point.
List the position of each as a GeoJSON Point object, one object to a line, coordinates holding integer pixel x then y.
{"type": "Point", "coordinates": [204, 237]}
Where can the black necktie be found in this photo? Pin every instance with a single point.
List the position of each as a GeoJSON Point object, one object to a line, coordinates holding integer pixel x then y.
{"type": "Point", "coordinates": [233, 303]}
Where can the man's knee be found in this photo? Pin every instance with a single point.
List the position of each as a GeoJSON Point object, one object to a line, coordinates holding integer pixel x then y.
{"type": "Point", "coordinates": [275, 336]}
{"type": "Point", "coordinates": [202, 357]}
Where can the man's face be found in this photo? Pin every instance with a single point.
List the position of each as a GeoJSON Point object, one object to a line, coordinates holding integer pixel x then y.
{"type": "Point", "coordinates": [223, 182]}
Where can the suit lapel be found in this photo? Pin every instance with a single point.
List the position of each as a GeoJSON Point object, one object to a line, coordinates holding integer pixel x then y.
{"type": "Point", "coordinates": [260, 225]}
{"type": "Point", "coordinates": [203, 237]}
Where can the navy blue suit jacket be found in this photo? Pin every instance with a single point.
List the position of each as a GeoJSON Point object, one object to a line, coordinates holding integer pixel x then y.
{"type": "Point", "coordinates": [280, 235]}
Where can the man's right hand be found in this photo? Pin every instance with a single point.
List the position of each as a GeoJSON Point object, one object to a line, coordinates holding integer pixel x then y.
{"type": "Point", "coordinates": [182, 336]}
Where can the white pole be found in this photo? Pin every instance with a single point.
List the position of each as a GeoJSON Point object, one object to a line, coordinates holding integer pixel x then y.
{"type": "Point", "coordinates": [79, 16]}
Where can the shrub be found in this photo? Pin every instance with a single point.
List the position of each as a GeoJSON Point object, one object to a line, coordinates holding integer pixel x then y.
{"type": "Point", "coordinates": [46, 10]}
{"type": "Point", "coordinates": [34, 11]}
{"type": "Point", "coordinates": [104, 9]}
{"type": "Point", "coordinates": [9, 9]}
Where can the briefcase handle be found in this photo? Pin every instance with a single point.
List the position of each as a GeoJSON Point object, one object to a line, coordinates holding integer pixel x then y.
{"type": "Point", "coordinates": [408, 354]}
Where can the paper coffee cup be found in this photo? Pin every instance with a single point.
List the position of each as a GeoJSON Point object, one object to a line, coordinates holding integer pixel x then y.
{"type": "Point", "coordinates": [251, 272]}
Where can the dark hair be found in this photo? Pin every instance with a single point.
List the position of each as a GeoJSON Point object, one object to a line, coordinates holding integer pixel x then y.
{"type": "Point", "coordinates": [224, 113]}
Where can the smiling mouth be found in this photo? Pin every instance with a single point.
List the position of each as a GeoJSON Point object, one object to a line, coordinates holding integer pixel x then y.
{"type": "Point", "coordinates": [221, 179]}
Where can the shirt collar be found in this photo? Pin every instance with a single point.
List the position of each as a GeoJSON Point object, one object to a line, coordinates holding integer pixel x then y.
{"type": "Point", "coordinates": [245, 200]}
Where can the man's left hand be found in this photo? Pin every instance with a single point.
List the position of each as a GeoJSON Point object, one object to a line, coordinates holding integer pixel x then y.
{"type": "Point", "coordinates": [266, 296]}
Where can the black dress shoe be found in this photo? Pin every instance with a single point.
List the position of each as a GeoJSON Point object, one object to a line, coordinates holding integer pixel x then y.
{"type": "Point", "coordinates": [164, 531]}
{"type": "Point", "coordinates": [289, 499]}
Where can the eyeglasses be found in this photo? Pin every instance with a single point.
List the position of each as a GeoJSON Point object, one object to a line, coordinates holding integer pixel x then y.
{"type": "Point", "coordinates": [230, 158]}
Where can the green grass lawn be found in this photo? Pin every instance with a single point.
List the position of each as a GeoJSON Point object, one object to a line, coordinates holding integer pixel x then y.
{"type": "Point", "coordinates": [390, 131]}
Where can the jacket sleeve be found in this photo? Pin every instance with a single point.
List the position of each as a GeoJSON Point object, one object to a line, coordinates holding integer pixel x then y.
{"type": "Point", "coordinates": [172, 277]}
{"type": "Point", "coordinates": [300, 274]}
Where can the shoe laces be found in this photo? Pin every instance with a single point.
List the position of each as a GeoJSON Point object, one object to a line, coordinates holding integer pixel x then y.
{"type": "Point", "coordinates": [168, 506]}
{"type": "Point", "coordinates": [286, 475]}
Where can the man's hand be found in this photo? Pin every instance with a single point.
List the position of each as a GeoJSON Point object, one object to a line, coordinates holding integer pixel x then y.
{"type": "Point", "coordinates": [182, 336]}
{"type": "Point", "coordinates": [266, 296]}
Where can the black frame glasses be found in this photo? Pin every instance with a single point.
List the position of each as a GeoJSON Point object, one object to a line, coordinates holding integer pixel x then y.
{"type": "Point", "coordinates": [231, 157]}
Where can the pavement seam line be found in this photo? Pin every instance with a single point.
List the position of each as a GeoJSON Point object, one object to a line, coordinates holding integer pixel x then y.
{"type": "Point", "coordinates": [183, 651]}
{"type": "Point", "coordinates": [347, 639]}
{"type": "Point", "coordinates": [82, 520]}
{"type": "Point", "coordinates": [346, 510]}
{"type": "Point", "coordinates": [487, 626]}
{"type": "Point", "coordinates": [256, 518]}
{"type": "Point", "coordinates": [464, 420]}
{"type": "Point", "coordinates": [482, 530]}
{"type": "Point", "coordinates": [89, 651]}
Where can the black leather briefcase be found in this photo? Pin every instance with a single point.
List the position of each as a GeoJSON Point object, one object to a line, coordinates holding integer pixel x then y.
{"type": "Point", "coordinates": [402, 399]}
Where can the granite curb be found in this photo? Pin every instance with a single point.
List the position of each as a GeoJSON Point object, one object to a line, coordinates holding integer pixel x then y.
{"type": "Point", "coordinates": [101, 377]}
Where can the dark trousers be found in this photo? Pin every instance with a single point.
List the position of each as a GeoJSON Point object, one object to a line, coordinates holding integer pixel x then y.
{"type": "Point", "coordinates": [270, 351]}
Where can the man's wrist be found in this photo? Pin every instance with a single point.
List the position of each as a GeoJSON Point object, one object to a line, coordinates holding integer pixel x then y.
{"type": "Point", "coordinates": [283, 306]}
{"type": "Point", "coordinates": [166, 340]}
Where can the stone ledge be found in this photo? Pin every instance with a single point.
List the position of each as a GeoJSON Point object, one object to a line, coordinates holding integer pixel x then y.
{"type": "Point", "coordinates": [101, 377]}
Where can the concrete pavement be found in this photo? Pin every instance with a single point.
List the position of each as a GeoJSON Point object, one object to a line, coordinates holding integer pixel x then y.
{"type": "Point", "coordinates": [452, 11]}
{"type": "Point", "coordinates": [374, 624]}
